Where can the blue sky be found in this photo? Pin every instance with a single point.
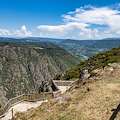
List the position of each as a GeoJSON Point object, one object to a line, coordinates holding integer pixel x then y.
{"type": "Point", "coordinates": [59, 18]}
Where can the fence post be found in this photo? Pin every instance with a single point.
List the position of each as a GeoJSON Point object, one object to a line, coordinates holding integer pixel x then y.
{"type": "Point", "coordinates": [12, 114]}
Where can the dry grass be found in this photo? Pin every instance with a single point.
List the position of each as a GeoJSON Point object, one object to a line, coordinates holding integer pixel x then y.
{"type": "Point", "coordinates": [93, 101]}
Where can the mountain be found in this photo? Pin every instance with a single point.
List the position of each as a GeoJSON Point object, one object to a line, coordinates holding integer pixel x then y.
{"type": "Point", "coordinates": [26, 67]}
{"type": "Point", "coordinates": [83, 49]}
{"type": "Point", "coordinates": [87, 48]}
{"type": "Point", "coordinates": [30, 40]}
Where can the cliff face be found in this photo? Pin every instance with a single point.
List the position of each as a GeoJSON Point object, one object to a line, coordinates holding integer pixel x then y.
{"type": "Point", "coordinates": [26, 68]}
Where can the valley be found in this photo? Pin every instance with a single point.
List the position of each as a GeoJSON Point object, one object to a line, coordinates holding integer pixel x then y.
{"type": "Point", "coordinates": [26, 68]}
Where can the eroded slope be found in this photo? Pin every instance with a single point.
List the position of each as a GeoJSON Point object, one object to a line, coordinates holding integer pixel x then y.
{"type": "Point", "coordinates": [26, 68]}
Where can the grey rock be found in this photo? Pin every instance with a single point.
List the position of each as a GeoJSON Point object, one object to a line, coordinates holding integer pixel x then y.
{"type": "Point", "coordinates": [27, 69]}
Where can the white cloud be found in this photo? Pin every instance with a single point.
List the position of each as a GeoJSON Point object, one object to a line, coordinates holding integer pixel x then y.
{"type": "Point", "coordinates": [78, 24]}
{"type": "Point", "coordinates": [87, 22]}
{"type": "Point", "coordinates": [22, 32]}
{"type": "Point", "coordinates": [4, 32]}
{"type": "Point", "coordinates": [93, 15]}
{"type": "Point", "coordinates": [64, 30]}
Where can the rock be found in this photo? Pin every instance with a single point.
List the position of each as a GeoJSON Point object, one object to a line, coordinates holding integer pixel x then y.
{"type": "Point", "coordinates": [85, 75]}
{"type": "Point", "coordinates": [24, 68]}
{"type": "Point", "coordinates": [114, 65]}
{"type": "Point", "coordinates": [63, 99]}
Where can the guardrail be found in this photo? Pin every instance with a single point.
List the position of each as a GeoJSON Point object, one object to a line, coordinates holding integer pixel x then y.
{"type": "Point", "coordinates": [25, 97]}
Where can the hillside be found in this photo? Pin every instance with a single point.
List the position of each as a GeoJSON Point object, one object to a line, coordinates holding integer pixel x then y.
{"type": "Point", "coordinates": [97, 61]}
{"type": "Point", "coordinates": [26, 67]}
{"type": "Point", "coordinates": [95, 99]}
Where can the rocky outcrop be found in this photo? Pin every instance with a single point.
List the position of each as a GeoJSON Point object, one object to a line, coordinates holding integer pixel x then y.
{"type": "Point", "coordinates": [26, 68]}
{"type": "Point", "coordinates": [110, 72]}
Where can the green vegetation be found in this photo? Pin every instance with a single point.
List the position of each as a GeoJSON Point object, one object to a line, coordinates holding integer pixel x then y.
{"type": "Point", "coordinates": [98, 61]}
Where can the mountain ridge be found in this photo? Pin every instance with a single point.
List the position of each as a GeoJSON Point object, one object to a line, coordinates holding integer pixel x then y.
{"type": "Point", "coordinates": [83, 49]}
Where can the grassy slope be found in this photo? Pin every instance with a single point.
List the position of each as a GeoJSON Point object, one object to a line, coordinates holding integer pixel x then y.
{"type": "Point", "coordinates": [95, 104]}
{"type": "Point", "coordinates": [98, 61]}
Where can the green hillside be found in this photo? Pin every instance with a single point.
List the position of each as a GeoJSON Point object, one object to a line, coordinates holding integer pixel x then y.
{"type": "Point", "coordinates": [98, 61]}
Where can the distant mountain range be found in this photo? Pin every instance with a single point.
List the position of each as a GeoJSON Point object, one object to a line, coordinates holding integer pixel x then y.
{"type": "Point", "coordinates": [80, 48]}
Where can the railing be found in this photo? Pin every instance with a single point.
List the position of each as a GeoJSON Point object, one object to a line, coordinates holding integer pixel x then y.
{"type": "Point", "coordinates": [36, 97]}
{"type": "Point", "coordinates": [73, 84]}
{"type": "Point", "coordinates": [63, 83]}
{"type": "Point", "coordinates": [25, 97]}
{"type": "Point", "coordinates": [56, 94]}
{"type": "Point", "coordinates": [114, 115]}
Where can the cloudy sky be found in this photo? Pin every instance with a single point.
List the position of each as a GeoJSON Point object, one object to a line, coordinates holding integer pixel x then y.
{"type": "Point", "coordinates": [74, 19]}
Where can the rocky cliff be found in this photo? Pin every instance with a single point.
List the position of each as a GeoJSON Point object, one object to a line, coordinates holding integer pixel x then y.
{"type": "Point", "coordinates": [26, 68]}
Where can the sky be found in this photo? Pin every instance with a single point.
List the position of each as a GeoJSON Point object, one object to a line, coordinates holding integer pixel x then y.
{"type": "Point", "coordinates": [67, 19]}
